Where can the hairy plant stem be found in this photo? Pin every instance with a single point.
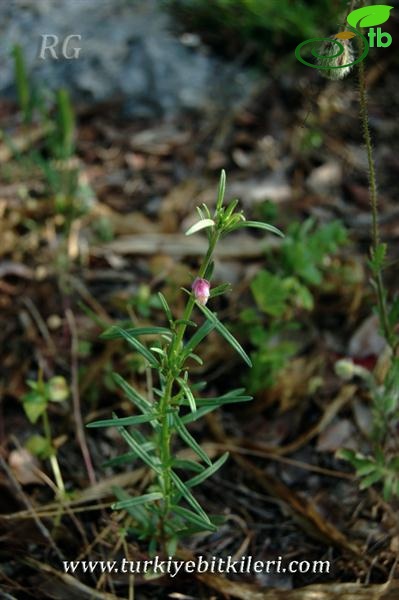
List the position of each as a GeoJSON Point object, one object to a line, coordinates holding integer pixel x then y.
{"type": "Point", "coordinates": [375, 235]}
{"type": "Point", "coordinates": [53, 457]}
{"type": "Point", "coordinates": [174, 370]}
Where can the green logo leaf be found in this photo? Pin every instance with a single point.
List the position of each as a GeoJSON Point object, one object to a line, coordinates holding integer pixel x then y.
{"type": "Point", "coordinates": [368, 16]}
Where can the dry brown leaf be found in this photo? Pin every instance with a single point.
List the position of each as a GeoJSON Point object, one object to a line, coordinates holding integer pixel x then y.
{"type": "Point", "coordinates": [24, 466]}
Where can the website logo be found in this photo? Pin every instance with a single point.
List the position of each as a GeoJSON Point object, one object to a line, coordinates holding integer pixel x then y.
{"type": "Point", "coordinates": [335, 52]}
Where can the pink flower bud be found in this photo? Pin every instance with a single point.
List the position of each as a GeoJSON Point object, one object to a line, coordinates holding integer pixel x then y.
{"type": "Point", "coordinates": [201, 289]}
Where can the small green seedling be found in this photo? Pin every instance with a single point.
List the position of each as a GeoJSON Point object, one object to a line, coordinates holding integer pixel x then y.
{"type": "Point", "coordinates": [35, 404]}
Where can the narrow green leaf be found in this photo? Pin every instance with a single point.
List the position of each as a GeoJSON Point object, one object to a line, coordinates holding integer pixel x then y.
{"type": "Point", "coordinates": [221, 190]}
{"type": "Point", "coordinates": [198, 414]}
{"type": "Point", "coordinates": [221, 400]}
{"type": "Point", "coordinates": [193, 518]}
{"type": "Point", "coordinates": [138, 512]}
{"type": "Point", "coordinates": [188, 465]}
{"type": "Point", "coordinates": [124, 421]}
{"type": "Point", "coordinates": [188, 393]}
{"type": "Point", "coordinates": [365, 469]}
{"type": "Point", "coordinates": [345, 454]}
{"type": "Point", "coordinates": [190, 441]}
{"type": "Point", "coordinates": [139, 347]}
{"type": "Point", "coordinates": [209, 270]}
{"type": "Point", "coordinates": [186, 322]}
{"type": "Point", "coordinates": [201, 214]}
{"type": "Point", "coordinates": [198, 336]}
{"type": "Point", "coordinates": [225, 333]}
{"type": "Point", "coordinates": [230, 208]}
{"type": "Point", "coordinates": [206, 211]}
{"type": "Point", "coordinates": [138, 400]}
{"type": "Point", "coordinates": [125, 504]}
{"type": "Point", "coordinates": [136, 447]}
{"type": "Point", "coordinates": [159, 351]}
{"type": "Point", "coordinates": [113, 332]}
{"type": "Point", "coordinates": [166, 307]}
{"type": "Point", "coordinates": [389, 482]}
{"type": "Point", "coordinates": [195, 357]}
{"type": "Point", "coordinates": [128, 457]}
{"type": "Point", "coordinates": [65, 124]}
{"type": "Point", "coordinates": [371, 479]}
{"type": "Point", "coordinates": [209, 404]}
{"type": "Point", "coordinates": [260, 225]}
{"type": "Point", "coordinates": [220, 289]}
{"type": "Point", "coordinates": [208, 471]}
{"type": "Point", "coordinates": [183, 489]}
{"type": "Point", "coordinates": [203, 224]}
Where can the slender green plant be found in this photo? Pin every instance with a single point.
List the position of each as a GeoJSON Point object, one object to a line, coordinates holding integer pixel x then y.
{"type": "Point", "coordinates": [23, 85]}
{"type": "Point", "coordinates": [168, 510]}
{"type": "Point", "coordinates": [382, 462]}
{"type": "Point", "coordinates": [57, 157]}
{"type": "Point", "coordinates": [35, 403]}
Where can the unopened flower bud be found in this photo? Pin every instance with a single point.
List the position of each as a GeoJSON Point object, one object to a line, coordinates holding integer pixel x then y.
{"type": "Point", "coordinates": [339, 61]}
{"type": "Point", "coordinates": [345, 369]}
{"type": "Point", "coordinates": [58, 389]}
{"type": "Point", "coordinates": [201, 289]}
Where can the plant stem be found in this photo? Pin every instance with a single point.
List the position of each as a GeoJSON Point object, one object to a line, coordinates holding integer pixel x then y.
{"type": "Point", "coordinates": [375, 234]}
{"type": "Point", "coordinates": [165, 442]}
{"type": "Point", "coordinates": [174, 369]}
{"type": "Point", "coordinates": [191, 302]}
{"type": "Point", "coordinates": [53, 457]}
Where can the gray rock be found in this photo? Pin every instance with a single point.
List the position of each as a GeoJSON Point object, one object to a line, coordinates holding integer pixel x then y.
{"type": "Point", "coordinates": [127, 50]}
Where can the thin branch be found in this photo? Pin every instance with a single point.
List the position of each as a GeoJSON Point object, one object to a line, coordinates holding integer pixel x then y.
{"type": "Point", "coordinates": [80, 432]}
